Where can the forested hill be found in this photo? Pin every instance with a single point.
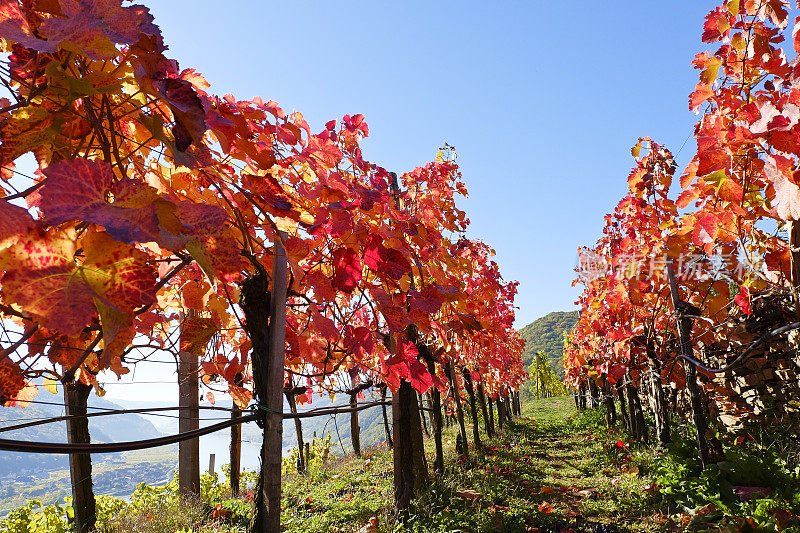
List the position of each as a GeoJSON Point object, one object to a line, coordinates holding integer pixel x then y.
{"type": "Point", "coordinates": [546, 335]}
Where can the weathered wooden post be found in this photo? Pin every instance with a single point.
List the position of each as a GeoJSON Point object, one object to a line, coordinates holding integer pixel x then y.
{"type": "Point", "coordinates": [685, 338]}
{"type": "Point", "coordinates": [491, 415]}
{"type": "Point", "coordinates": [410, 466]}
{"type": "Point", "coordinates": [386, 427]}
{"type": "Point", "coordinates": [189, 413]}
{"type": "Point", "coordinates": [482, 400]}
{"type": "Point", "coordinates": [76, 396]}
{"type": "Point", "coordinates": [473, 408]}
{"type": "Point", "coordinates": [611, 410]}
{"type": "Point", "coordinates": [660, 408]}
{"type": "Point", "coordinates": [451, 375]}
{"type": "Point", "coordinates": [236, 443]}
{"type": "Point", "coordinates": [291, 399]}
{"type": "Point", "coordinates": [265, 323]}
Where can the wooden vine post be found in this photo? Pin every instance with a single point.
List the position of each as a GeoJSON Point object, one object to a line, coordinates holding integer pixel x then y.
{"type": "Point", "coordinates": [462, 429]}
{"type": "Point", "coordinates": [76, 396]}
{"type": "Point", "coordinates": [236, 442]}
{"type": "Point", "coordinates": [302, 457]}
{"type": "Point", "coordinates": [500, 416]}
{"type": "Point", "coordinates": [660, 407]}
{"type": "Point", "coordinates": [188, 401]}
{"type": "Point", "coordinates": [403, 452]}
{"type": "Point", "coordinates": [236, 451]}
{"type": "Point", "coordinates": [620, 388]}
{"type": "Point", "coordinates": [794, 245]}
{"type": "Point", "coordinates": [482, 400]}
{"type": "Point", "coordinates": [386, 427]}
{"type": "Point", "coordinates": [355, 428]}
{"type": "Point", "coordinates": [409, 464]}
{"type": "Point", "coordinates": [635, 411]}
{"type": "Point", "coordinates": [265, 323]}
{"type": "Point", "coordinates": [473, 409]}
{"type": "Point", "coordinates": [436, 414]}
{"type": "Point", "coordinates": [490, 421]}
{"type": "Point", "coordinates": [611, 410]}
{"type": "Point", "coordinates": [685, 338]}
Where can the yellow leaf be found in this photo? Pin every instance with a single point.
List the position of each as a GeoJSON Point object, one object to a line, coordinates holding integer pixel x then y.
{"type": "Point", "coordinates": [198, 253]}
{"type": "Point", "coordinates": [636, 150]}
{"type": "Point", "coordinates": [50, 385]}
{"type": "Point", "coordinates": [733, 7]}
{"type": "Point", "coordinates": [404, 283]}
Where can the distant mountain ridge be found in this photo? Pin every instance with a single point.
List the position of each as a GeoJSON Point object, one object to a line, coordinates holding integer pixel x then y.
{"type": "Point", "coordinates": [546, 334]}
{"type": "Point", "coordinates": [115, 428]}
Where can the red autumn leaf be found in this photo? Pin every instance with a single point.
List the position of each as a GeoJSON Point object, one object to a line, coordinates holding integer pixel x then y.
{"type": "Point", "coordinates": [199, 218]}
{"type": "Point", "coordinates": [241, 396]}
{"type": "Point", "coordinates": [358, 340]}
{"type": "Point", "coordinates": [25, 134]}
{"type": "Point", "coordinates": [387, 261]}
{"type": "Point", "coordinates": [324, 326]}
{"type": "Point", "coordinates": [195, 333]}
{"type": "Point", "coordinates": [80, 189]}
{"type": "Point", "coordinates": [12, 381]}
{"type": "Point", "coordinates": [224, 254]}
{"type": "Point", "coordinates": [418, 375]}
{"type": "Point", "coordinates": [428, 300]}
{"type": "Point", "coordinates": [14, 27]}
{"type": "Point", "coordinates": [15, 222]}
{"type": "Point", "coordinates": [41, 277]}
{"type": "Point", "coordinates": [787, 193]}
{"type": "Point", "coordinates": [187, 107]}
{"type": "Point", "coordinates": [347, 270]}
{"type": "Point", "coordinates": [297, 249]}
{"type": "Point", "coordinates": [372, 252]}
{"type": "Point", "coordinates": [796, 35]}
{"type": "Point", "coordinates": [405, 365]}
{"type": "Point", "coordinates": [743, 300]}
{"type": "Point", "coordinates": [118, 273]}
{"type": "Point", "coordinates": [701, 94]}
{"type": "Point", "coordinates": [718, 24]}
{"type": "Point", "coordinates": [219, 512]}
{"type": "Point", "coordinates": [95, 26]}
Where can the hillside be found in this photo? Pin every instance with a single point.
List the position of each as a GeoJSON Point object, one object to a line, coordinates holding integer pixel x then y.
{"type": "Point", "coordinates": [546, 335]}
{"type": "Point", "coordinates": [102, 429]}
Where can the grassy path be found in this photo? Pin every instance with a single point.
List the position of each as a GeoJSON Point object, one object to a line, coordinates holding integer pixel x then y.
{"type": "Point", "coordinates": [550, 471]}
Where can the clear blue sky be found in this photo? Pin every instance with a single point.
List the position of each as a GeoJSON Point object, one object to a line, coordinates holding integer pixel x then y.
{"type": "Point", "coordinates": [542, 100]}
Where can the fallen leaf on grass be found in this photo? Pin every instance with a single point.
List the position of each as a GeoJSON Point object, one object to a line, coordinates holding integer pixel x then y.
{"type": "Point", "coordinates": [371, 527]}
{"type": "Point", "coordinates": [469, 495]}
{"type": "Point", "coordinates": [748, 493]}
{"type": "Point", "coordinates": [705, 510]}
{"type": "Point", "coordinates": [651, 488]}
